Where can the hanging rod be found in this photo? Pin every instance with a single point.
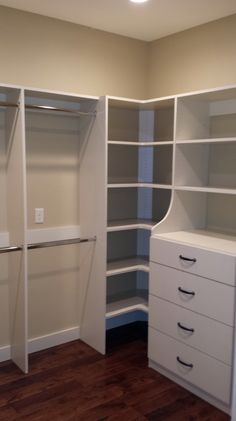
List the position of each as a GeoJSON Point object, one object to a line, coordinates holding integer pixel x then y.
{"type": "Point", "coordinates": [47, 244]}
{"type": "Point", "coordinates": [9, 104]}
{"type": "Point", "coordinates": [59, 243]}
{"type": "Point", "coordinates": [9, 249]}
{"type": "Point", "coordinates": [62, 110]}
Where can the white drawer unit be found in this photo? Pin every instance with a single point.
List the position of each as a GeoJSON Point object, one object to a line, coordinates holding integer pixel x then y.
{"type": "Point", "coordinates": [195, 367]}
{"type": "Point", "coordinates": [209, 264]}
{"type": "Point", "coordinates": [192, 312]}
{"type": "Point", "coordinates": [200, 332]}
{"type": "Point", "coordinates": [195, 293]}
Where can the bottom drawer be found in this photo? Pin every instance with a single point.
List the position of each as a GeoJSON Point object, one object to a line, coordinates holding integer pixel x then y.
{"type": "Point", "coordinates": [210, 375]}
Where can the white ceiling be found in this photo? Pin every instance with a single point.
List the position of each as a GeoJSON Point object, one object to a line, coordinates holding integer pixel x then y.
{"type": "Point", "coordinates": [147, 21]}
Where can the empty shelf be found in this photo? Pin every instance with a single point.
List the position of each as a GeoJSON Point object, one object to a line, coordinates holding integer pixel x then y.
{"type": "Point", "coordinates": [127, 224]}
{"type": "Point", "coordinates": [209, 189]}
{"type": "Point", "coordinates": [123, 142]}
{"type": "Point", "coordinates": [128, 305]}
{"type": "Point", "coordinates": [207, 140]}
{"type": "Point", "coordinates": [147, 185]}
{"type": "Point", "coordinates": [127, 265]}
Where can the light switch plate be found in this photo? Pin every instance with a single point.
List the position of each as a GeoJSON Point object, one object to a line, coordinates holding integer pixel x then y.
{"type": "Point", "coordinates": [39, 215]}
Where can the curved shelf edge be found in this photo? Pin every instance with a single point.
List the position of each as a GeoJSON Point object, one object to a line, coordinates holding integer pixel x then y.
{"type": "Point", "coordinates": [122, 307]}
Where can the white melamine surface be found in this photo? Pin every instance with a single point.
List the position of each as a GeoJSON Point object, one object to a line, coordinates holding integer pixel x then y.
{"type": "Point", "coordinates": [121, 225]}
{"type": "Point", "coordinates": [209, 374]}
{"type": "Point", "coordinates": [127, 265]}
{"type": "Point", "coordinates": [128, 305]}
{"type": "Point", "coordinates": [16, 208]}
{"type": "Point", "coordinates": [147, 185]}
{"type": "Point", "coordinates": [213, 299]}
{"type": "Point", "coordinates": [209, 336]}
{"type": "Point", "coordinates": [202, 238]}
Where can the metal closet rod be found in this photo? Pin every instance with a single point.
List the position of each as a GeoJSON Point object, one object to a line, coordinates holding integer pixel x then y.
{"type": "Point", "coordinates": [47, 108]}
{"type": "Point", "coordinates": [61, 110]}
{"type": "Point", "coordinates": [47, 244]}
{"type": "Point", "coordinates": [9, 104]}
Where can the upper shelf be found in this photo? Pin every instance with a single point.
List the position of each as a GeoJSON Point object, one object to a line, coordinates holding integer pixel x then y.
{"type": "Point", "coordinates": [207, 141]}
{"type": "Point", "coordinates": [138, 185]}
{"type": "Point", "coordinates": [134, 143]}
{"type": "Point", "coordinates": [206, 167]}
{"type": "Point", "coordinates": [207, 116]}
{"type": "Point", "coordinates": [153, 123]}
{"type": "Point", "coordinates": [206, 189]}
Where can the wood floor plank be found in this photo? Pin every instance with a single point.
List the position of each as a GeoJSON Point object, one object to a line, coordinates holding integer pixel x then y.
{"type": "Point", "coordinates": [73, 382]}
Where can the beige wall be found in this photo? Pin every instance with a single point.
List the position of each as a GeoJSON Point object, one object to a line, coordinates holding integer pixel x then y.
{"type": "Point", "coordinates": [200, 58]}
{"type": "Point", "coordinates": [48, 53]}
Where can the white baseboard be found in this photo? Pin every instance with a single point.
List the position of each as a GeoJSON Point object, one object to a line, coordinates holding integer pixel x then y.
{"type": "Point", "coordinates": [44, 342]}
{"type": "Point", "coordinates": [5, 353]}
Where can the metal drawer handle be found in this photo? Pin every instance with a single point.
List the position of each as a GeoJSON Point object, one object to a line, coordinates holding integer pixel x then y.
{"type": "Point", "coordinates": [183, 363]}
{"type": "Point", "coordinates": [186, 292]}
{"type": "Point", "coordinates": [188, 259]}
{"type": "Point", "coordinates": [188, 329]}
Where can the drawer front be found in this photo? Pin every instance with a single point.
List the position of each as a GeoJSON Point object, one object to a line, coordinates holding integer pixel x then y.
{"type": "Point", "coordinates": [206, 373]}
{"type": "Point", "coordinates": [207, 335]}
{"type": "Point", "coordinates": [209, 264]}
{"type": "Point", "coordinates": [210, 298]}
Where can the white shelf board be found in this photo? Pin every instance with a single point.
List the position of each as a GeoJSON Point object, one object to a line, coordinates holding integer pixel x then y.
{"type": "Point", "coordinates": [147, 185]}
{"type": "Point", "coordinates": [203, 238]}
{"type": "Point", "coordinates": [128, 305]}
{"type": "Point", "coordinates": [221, 190]}
{"type": "Point", "coordinates": [124, 225]}
{"type": "Point", "coordinates": [126, 143]}
{"type": "Point", "coordinates": [127, 265]}
{"type": "Point", "coordinates": [208, 140]}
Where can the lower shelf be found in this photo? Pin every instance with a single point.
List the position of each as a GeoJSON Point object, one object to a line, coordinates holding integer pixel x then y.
{"type": "Point", "coordinates": [126, 305]}
{"type": "Point", "coordinates": [127, 265]}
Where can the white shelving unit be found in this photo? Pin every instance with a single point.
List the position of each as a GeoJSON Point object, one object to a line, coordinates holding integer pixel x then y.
{"type": "Point", "coordinates": [139, 185]}
{"type": "Point", "coordinates": [193, 251]}
{"type": "Point", "coordinates": [163, 168]}
{"type": "Point", "coordinates": [47, 140]}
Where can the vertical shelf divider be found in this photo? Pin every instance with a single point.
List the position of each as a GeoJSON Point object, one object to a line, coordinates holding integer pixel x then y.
{"type": "Point", "coordinates": [17, 217]}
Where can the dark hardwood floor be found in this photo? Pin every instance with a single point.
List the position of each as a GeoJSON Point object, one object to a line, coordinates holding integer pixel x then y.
{"type": "Point", "coordinates": [74, 382]}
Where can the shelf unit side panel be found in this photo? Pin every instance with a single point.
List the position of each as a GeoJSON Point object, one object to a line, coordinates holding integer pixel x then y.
{"type": "Point", "coordinates": [93, 205]}
{"type": "Point", "coordinates": [17, 217]}
{"type": "Point", "coordinates": [187, 212]}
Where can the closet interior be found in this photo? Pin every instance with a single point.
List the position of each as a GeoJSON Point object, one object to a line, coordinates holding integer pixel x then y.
{"type": "Point", "coordinates": [139, 183]}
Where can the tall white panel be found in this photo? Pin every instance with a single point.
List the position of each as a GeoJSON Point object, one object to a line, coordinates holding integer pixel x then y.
{"type": "Point", "coordinates": [16, 215]}
{"type": "Point", "coordinates": [93, 220]}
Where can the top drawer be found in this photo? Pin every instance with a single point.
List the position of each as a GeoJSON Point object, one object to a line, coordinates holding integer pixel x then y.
{"type": "Point", "coordinates": [209, 264]}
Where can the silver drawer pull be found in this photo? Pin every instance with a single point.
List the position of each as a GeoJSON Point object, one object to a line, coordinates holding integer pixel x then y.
{"type": "Point", "coordinates": [184, 291]}
{"type": "Point", "coordinates": [183, 363]}
{"type": "Point", "coordinates": [188, 259]}
{"type": "Point", "coordinates": [187, 329]}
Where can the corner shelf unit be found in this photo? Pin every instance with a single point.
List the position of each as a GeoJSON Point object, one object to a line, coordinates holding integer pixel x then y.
{"type": "Point", "coordinates": [139, 186]}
